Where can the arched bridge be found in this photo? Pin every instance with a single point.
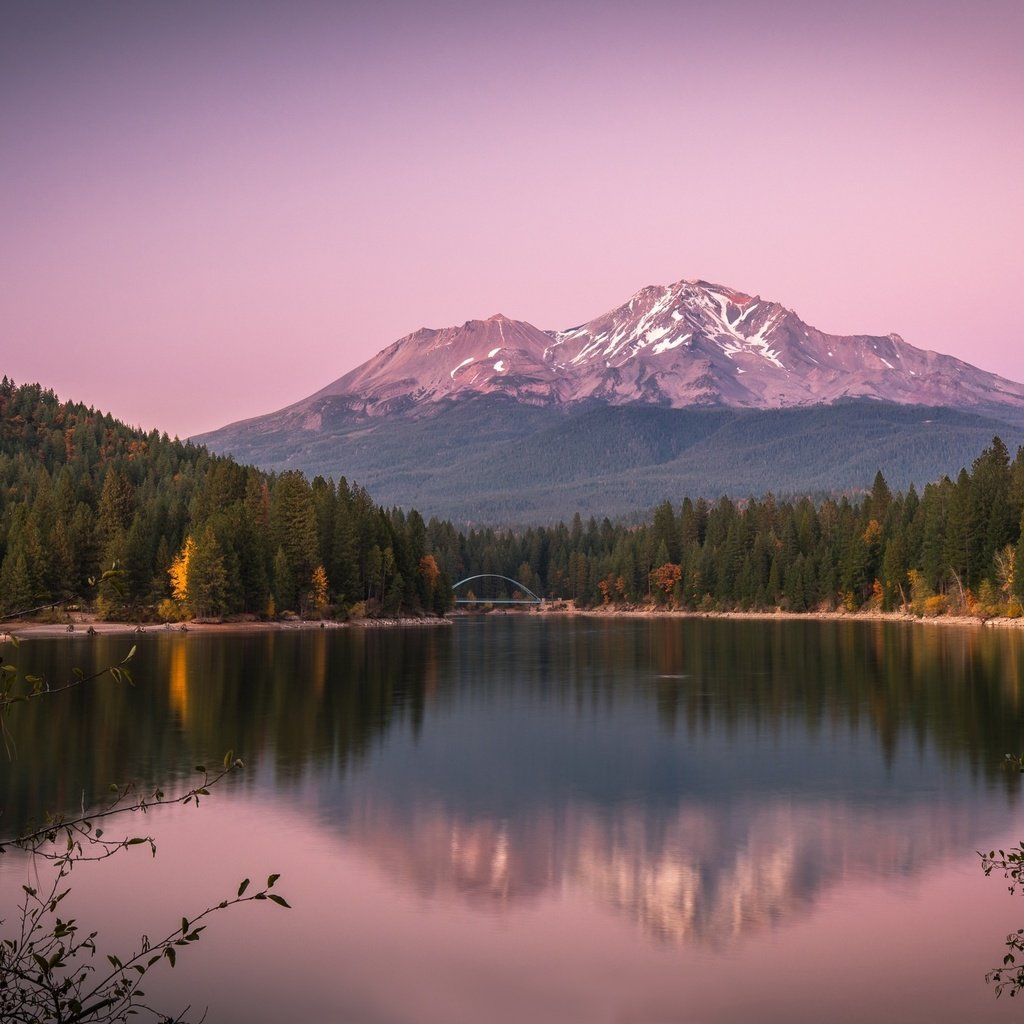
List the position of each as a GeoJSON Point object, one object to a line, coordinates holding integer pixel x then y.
{"type": "Point", "coordinates": [532, 598]}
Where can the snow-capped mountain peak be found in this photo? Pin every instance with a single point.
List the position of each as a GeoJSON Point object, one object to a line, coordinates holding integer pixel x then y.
{"type": "Point", "coordinates": [657, 321]}
{"type": "Point", "coordinates": [683, 344]}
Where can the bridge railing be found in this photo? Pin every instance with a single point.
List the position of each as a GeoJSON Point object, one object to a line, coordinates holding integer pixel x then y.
{"type": "Point", "coordinates": [532, 598]}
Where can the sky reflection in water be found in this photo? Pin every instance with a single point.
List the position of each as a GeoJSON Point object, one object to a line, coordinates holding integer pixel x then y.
{"type": "Point", "coordinates": [559, 821]}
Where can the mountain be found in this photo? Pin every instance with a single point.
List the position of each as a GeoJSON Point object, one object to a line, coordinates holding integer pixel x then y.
{"type": "Point", "coordinates": [686, 388]}
{"type": "Point", "coordinates": [481, 357]}
{"type": "Point", "coordinates": [681, 345]}
{"type": "Point", "coordinates": [695, 343]}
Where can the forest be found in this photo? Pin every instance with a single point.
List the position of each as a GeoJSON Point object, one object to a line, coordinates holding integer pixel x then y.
{"type": "Point", "coordinates": [140, 527]}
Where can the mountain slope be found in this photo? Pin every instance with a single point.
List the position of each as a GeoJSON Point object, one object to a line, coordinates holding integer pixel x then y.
{"type": "Point", "coordinates": [494, 460]}
{"type": "Point", "coordinates": [481, 357]}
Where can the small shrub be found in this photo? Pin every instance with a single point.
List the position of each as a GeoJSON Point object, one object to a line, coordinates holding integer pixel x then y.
{"type": "Point", "coordinates": [54, 616]}
{"type": "Point", "coordinates": [170, 611]}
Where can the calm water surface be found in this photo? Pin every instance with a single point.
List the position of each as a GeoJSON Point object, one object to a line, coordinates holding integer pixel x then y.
{"type": "Point", "coordinates": [631, 822]}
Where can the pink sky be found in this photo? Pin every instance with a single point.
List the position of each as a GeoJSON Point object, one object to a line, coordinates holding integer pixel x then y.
{"type": "Point", "coordinates": [210, 211]}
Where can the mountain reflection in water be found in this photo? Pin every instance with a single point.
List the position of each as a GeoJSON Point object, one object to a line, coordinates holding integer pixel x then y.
{"type": "Point", "coordinates": [710, 877]}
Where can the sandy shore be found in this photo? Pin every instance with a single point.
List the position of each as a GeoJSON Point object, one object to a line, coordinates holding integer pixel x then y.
{"type": "Point", "coordinates": [611, 612]}
{"type": "Point", "coordinates": [84, 626]}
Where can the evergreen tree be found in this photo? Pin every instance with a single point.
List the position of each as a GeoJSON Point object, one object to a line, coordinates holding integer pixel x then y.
{"type": "Point", "coordinates": [960, 550]}
{"type": "Point", "coordinates": [207, 578]}
{"type": "Point", "coordinates": [15, 587]}
{"type": "Point", "coordinates": [293, 526]}
{"type": "Point", "coordinates": [990, 511]}
{"type": "Point", "coordinates": [285, 588]}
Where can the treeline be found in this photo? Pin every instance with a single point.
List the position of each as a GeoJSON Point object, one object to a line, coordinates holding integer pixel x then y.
{"type": "Point", "coordinates": [138, 525]}
{"type": "Point", "coordinates": [957, 546]}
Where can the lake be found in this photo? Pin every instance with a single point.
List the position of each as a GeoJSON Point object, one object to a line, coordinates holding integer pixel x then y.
{"type": "Point", "coordinates": [553, 820]}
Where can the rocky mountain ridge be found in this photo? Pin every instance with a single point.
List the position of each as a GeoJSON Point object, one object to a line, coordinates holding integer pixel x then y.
{"type": "Point", "coordinates": [692, 343]}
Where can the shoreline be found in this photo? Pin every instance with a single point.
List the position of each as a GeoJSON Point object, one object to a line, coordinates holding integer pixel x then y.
{"type": "Point", "coordinates": [84, 626]}
{"type": "Point", "coordinates": [605, 612]}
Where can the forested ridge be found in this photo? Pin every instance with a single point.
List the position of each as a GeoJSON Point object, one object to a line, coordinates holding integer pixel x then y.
{"type": "Point", "coordinates": [142, 526]}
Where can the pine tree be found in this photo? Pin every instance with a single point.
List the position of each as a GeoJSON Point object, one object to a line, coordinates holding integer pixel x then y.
{"type": "Point", "coordinates": [15, 587]}
{"type": "Point", "coordinates": [284, 587]}
{"type": "Point", "coordinates": [665, 531]}
{"type": "Point", "coordinates": [207, 578]}
{"type": "Point", "coordinates": [293, 524]}
{"type": "Point", "coordinates": [990, 512]}
{"type": "Point", "coordinates": [117, 506]}
{"type": "Point", "coordinates": [960, 550]}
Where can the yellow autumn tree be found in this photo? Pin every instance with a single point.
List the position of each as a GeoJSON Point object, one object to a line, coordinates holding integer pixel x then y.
{"type": "Point", "coordinates": [319, 581]}
{"type": "Point", "coordinates": [179, 570]}
{"type": "Point", "coordinates": [429, 570]}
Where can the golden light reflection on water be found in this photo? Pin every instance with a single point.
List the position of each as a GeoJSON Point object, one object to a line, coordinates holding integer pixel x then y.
{"type": "Point", "coordinates": [177, 674]}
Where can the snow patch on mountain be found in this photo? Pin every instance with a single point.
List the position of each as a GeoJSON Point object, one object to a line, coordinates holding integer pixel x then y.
{"type": "Point", "coordinates": [667, 346]}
